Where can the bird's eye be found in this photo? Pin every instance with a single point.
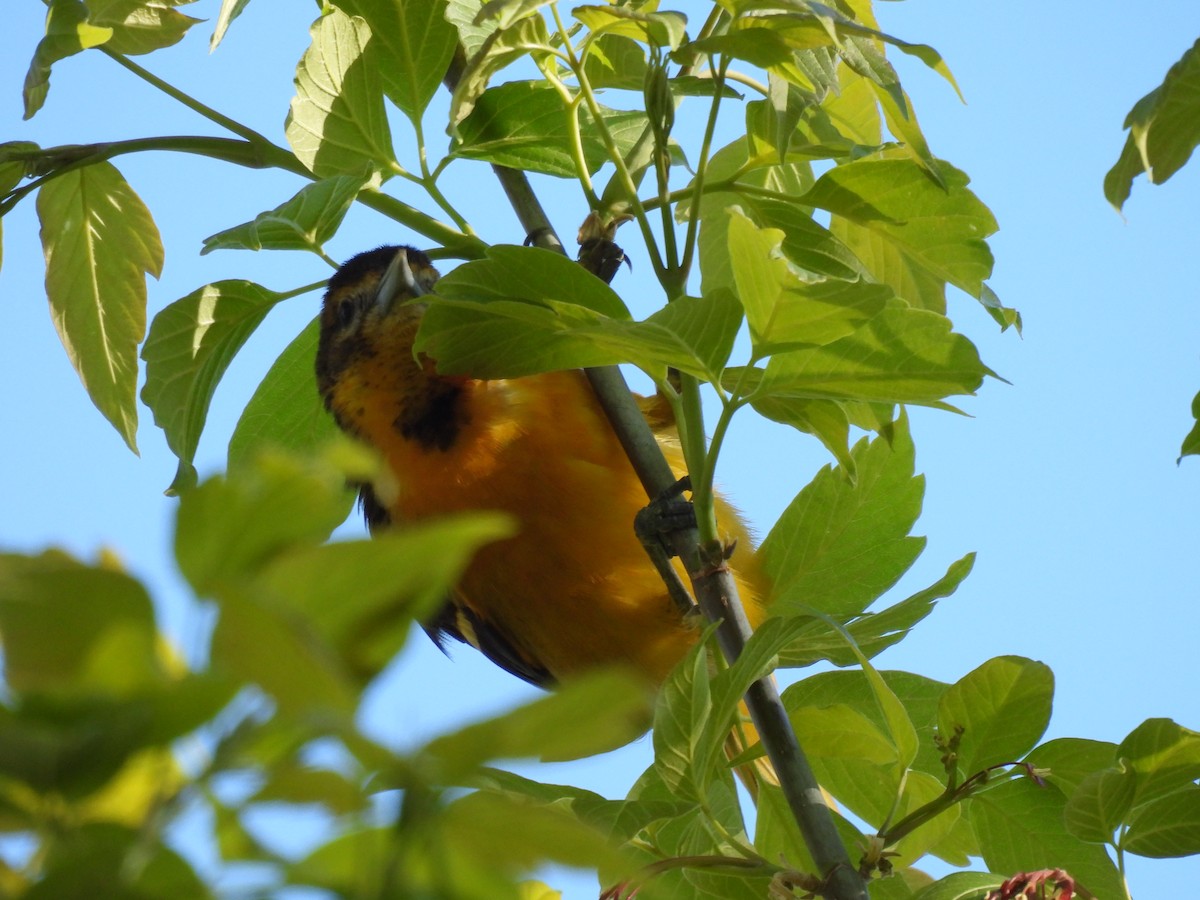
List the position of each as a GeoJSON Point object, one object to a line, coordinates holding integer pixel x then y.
{"type": "Point", "coordinates": [345, 312]}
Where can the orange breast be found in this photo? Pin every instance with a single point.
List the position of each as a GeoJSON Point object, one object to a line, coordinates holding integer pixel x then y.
{"type": "Point", "coordinates": [574, 588]}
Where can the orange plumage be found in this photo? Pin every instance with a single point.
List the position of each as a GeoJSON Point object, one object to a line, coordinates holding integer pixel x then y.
{"type": "Point", "coordinates": [573, 589]}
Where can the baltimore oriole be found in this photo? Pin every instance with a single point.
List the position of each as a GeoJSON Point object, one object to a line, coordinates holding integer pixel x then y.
{"type": "Point", "coordinates": [574, 588]}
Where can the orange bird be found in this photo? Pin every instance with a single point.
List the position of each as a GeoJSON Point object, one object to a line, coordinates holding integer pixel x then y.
{"type": "Point", "coordinates": [574, 588]}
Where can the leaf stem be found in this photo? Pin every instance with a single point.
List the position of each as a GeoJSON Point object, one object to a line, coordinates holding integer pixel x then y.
{"type": "Point", "coordinates": [54, 161]}
{"type": "Point", "coordinates": [187, 100]}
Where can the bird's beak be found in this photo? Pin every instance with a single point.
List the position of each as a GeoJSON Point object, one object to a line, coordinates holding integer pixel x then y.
{"type": "Point", "coordinates": [397, 281]}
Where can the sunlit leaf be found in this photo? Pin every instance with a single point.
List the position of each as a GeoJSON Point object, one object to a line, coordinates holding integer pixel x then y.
{"type": "Point", "coordinates": [1068, 761]}
{"type": "Point", "coordinates": [190, 344]}
{"type": "Point", "coordinates": [99, 241]}
{"type": "Point", "coordinates": [1002, 708]}
{"type": "Point", "coordinates": [659, 29]}
{"type": "Point", "coordinates": [587, 715]}
{"type": "Point", "coordinates": [1167, 826]}
{"type": "Point", "coordinates": [839, 544]}
{"type": "Point", "coordinates": [785, 311]}
{"type": "Point", "coordinates": [961, 886]}
{"type": "Point", "coordinates": [140, 26]}
{"type": "Point", "coordinates": [285, 411]}
{"type": "Point", "coordinates": [1164, 755]}
{"type": "Point", "coordinates": [1020, 828]}
{"type": "Point", "coordinates": [939, 231]}
{"type": "Point", "coordinates": [412, 46]}
{"type": "Point", "coordinates": [230, 10]}
{"type": "Point", "coordinates": [512, 313]}
{"type": "Point", "coordinates": [305, 222]}
{"type": "Point", "coordinates": [229, 527]}
{"type": "Point", "coordinates": [1163, 130]}
{"type": "Point", "coordinates": [67, 32]}
{"type": "Point", "coordinates": [56, 613]}
{"type": "Point", "coordinates": [383, 585]}
{"type": "Point", "coordinates": [524, 125]}
{"type": "Point", "coordinates": [901, 355]}
{"type": "Point", "coordinates": [681, 715]}
{"type": "Point", "coordinates": [1099, 804]}
{"type": "Point", "coordinates": [498, 49]}
{"type": "Point", "coordinates": [337, 124]}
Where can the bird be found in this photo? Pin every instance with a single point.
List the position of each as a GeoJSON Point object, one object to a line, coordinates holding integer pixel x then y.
{"type": "Point", "coordinates": [572, 589]}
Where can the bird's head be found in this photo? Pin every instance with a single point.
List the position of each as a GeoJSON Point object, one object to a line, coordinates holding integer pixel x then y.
{"type": "Point", "coordinates": [369, 319]}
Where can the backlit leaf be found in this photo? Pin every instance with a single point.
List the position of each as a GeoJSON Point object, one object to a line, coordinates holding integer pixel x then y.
{"type": "Point", "coordinates": [99, 241]}
{"type": "Point", "coordinates": [412, 46]}
{"type": "Point", "coordinates": [1002, 708]}
{"type": "Point", "coordinates": [305, 222]}
{"type": "Point", "coordinates": [190, 344]}
{"type": "Point", "coordinates": [285, 411]}
{"type": "Point", "coordinates": [337, 124]}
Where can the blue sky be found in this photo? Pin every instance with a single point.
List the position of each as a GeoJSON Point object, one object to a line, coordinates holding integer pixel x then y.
{"type": "Point", "coordinates": [1064, 481]}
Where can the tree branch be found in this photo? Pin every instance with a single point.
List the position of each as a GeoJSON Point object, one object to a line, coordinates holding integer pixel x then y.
{"type": "Point", "coordinates": [712, 582]}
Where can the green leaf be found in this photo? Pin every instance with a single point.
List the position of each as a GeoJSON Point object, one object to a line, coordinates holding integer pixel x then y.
{"type": "Point", "coordinates": [129, 862]}
{"type": "Point", "coordinates": [658, 29]}
{"type": "Point", "coordinates": [99, 240]}
{"type": "Point", "coordinates": [851, 757]}
{"type": "Point", "coordinates": [230, 10]}
{"type": "Point", "coordinates": [140, 26]}
{"type": "Point", "coordinates": [512, 313]}
{"type": "Point", "coordinates": [873, 632]}
{"type": "Point", "coordinates": [1191, 443]}
{"type": "Point", "coordinates": [1167, 826]}
{"type": "Point", "coordinates": [67, 32]}
{"type": "Point", "coordinates": [382, 585]}
{"type": "Point", "coordinates": [901, 355]}
{"type": "Point", "coordinates": [413, 44]}
{"type": "Point", "coordinates": [783, 310]}
{"type": "Point", "coordinates": [1164, 755]}
{"type": "Point", "coordinates": [286, 411]}
{"type": "Point", "coordinates": [230, 527]}
{"type": "Point", "coordinates": [592, 713]}
{"type": "Point", "coordinates": [265, 645]}
{"type": "Point", "coordinates": [190, 344]}
{"type": "Point", "coordinates": [59, 617]}
{"type": "Point", "coordinates": [1100, 803]}
{"type": "Point", "coordinates": [876, 631]}
{"type": "Point", "coordinates": [472, 30]}
{"type": "Point", "coordinates": [704, 327]}
{"type": "Point", "coordinates": [824, 419]}
{"type": "Point", "coordinates": [615, 62]}
{"type": "Point", "coordinates": [806, 243]}
{"type": "Point", "coordinates": [524, 125]}
{"type": "Point", "coordinates": [961, 886]}
{"type": "Point", "coordinates": [935, 232]}
{"type": "Point", "coordinates": [839, 545]}
{"type": "Point", "coordinates": [1002, 707]}
{"type": "Point", "coordinates": [512, 834]}
{"type": "Point", "coordinates": [681, 719]}
{"type": "Point", "coordinates": [866, 57]}
{"type": "Point", "coordinates": [1163, 130]}
{"type": "Point", "coordinates": [498, 49]}
{"type": "Point", "coordinates": [293, 783]}
{"type": "Point", "coordinates": [1068, 761]}
{"type": "Point", "coordinates": [337, 124]}
{"type": "Point", "coordinates": [1020, 829]}
{"type": "Point", "coordinates": [304, 222]}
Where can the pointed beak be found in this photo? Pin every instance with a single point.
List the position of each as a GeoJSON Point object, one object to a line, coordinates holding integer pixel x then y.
{"type": "Point", "coordinates": [397, 281]}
